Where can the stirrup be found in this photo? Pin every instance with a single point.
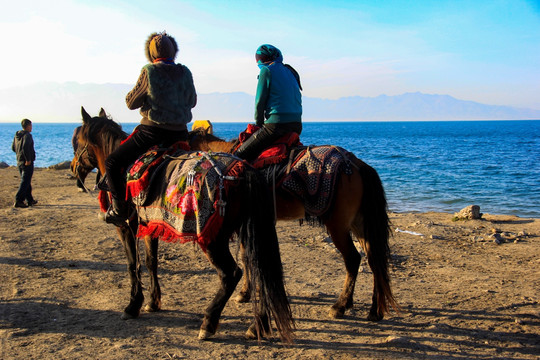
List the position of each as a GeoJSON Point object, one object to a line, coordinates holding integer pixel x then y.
{"type": "Point", "coordinates": [112, 217]}
{"type": "Point", "coordinates": [102, 184]}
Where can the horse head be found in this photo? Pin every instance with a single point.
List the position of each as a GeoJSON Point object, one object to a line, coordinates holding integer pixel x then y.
{"type": "Point", "coordinates": [97, 138]}
{"type": "Point", "coordinates": [198, 139]}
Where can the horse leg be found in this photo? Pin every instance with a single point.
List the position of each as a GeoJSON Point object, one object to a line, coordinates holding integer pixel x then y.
{"type": "Point", "coordinates": [151, 250]}
{"type": "Point", "coordinates": [374, 313]}
{"type": "Point", "coordinates": [344, 243]}
{"type": "Point", "coordinates": [130, 246]}
{"type": "Point", "coordinates": [229, 273]}
{"type": "Point", "coordinates": [245, 293]}
{"type": "Point", "coordinates": [263, 322]}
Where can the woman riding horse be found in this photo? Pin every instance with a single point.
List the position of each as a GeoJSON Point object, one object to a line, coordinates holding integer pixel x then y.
{"type": "Point", "coordinates": [278, 102]}
{"type": "Point", "coordinates": [165, 93]}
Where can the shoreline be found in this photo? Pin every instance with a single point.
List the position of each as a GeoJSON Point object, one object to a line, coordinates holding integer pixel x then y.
{"type": "Point", "coordinates": [64, 166]}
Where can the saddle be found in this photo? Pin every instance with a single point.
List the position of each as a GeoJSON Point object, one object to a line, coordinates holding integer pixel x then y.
{"type": "Point", "coordinates": [139, 174]}
{"type": "Point", "coordinates": [180, 194]}
{"type": "Point", "coordinates": [313, 176]}
{"type": "Point", "coordinates": [307, 172]}
{"type": "Point", "coordinates": [192, 192]}
{"type": "Point", "coordinates": [275, 153]}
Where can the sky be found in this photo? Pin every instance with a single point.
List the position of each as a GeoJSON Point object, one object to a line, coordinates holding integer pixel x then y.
{"type": "Point", "coordinates": [480, 50]}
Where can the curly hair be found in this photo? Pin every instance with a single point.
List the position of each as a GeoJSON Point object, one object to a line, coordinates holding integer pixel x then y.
{"type": "Point", "coordinates": [170, 46]}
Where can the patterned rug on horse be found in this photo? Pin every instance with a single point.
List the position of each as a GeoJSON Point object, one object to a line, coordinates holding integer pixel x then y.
{"type": "Point", "coordinates": [191, 197]}
{"type": "Point", "coordinates": [313, 176]}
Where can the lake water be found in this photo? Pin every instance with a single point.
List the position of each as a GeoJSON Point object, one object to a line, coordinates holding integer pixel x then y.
{"type": "Point", "coordinates": [424, 166]}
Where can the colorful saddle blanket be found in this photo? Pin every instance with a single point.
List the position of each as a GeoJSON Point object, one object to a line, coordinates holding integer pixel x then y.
{"type": "Point", "coordinates": [139, 174]}
{"type": "Point", "coordinates": [312, 176]}
{"type": "Point", "coordinates": [274, 154]}
{"type": "Point", "coordinates": [192, 196]}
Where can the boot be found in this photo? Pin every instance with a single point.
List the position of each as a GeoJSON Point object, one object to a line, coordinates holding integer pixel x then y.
{"type": "Point", "coordinates": [20, 204]}
{"type": "Point", "coordinates": [117, 213]}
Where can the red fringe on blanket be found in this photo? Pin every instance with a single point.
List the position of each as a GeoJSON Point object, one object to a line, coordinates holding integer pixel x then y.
{"type": "Point", "coordinates": [165, 232]}
{"type": "Point", "coordinates": [133, 188]}
{"type": "Point", "coordinates": [103, 199]}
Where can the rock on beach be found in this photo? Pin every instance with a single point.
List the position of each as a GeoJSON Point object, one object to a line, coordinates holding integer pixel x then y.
{"type": "Point", "coordinates": [471, 212]}
{"type": "Point", "coordinates": [64, 165]}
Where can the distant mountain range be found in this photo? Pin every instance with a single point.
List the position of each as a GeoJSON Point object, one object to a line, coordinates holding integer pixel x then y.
{"type": "Point", "coordinates": [54, 102]}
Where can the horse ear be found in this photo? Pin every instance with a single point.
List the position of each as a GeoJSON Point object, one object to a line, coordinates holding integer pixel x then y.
{"type": "Point", "coordinates": [85, 116]}
{"type": "Point", "coordinates": [102, 113]}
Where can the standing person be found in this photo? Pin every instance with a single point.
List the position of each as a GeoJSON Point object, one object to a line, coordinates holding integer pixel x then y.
{"type": "Point", "coordinates": [165, 94]}
{"type": "Point", "coordinates": [278, 102]}
{"type": "Point", "coordinates": [23, 146]}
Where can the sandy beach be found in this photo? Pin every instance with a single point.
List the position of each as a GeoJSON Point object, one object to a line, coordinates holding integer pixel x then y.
{"type": "Point", "coordinates": [468, 289]}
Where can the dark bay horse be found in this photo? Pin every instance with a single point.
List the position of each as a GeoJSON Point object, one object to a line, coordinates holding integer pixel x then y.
{"type": "Point", "coordinates": [359, 206]}
{"type": "Point", "coordinates": [248, 213]}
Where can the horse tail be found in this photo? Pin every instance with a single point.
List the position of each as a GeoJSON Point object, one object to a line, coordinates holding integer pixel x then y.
{"type": "Point", "coordinates": [263, 260]}
{"type": "Point", "coordinates": [372, 227]}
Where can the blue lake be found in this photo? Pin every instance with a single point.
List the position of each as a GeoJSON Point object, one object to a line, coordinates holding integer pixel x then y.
{"type": "Point", "coordinates": [424, 166]}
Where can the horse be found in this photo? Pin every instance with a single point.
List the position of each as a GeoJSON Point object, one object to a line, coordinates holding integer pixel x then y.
{"type": "Point", "coordinates": [359, 206]}
{"type": "Point", "coordinates": [247, 212]}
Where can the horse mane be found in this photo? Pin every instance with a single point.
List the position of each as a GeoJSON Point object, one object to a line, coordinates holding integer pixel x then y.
{"type": "Point", "coordinates": [205, 135]}
{"type": "Point", "coordinates": [205, 138]}
{"type": "Point", "coordinates": [104, 131]}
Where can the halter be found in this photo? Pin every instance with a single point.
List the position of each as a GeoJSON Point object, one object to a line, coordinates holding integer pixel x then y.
{"type": "Point", "coordinates": [78, 163]}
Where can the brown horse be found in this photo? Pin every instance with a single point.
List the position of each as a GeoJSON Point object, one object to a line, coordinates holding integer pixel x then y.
{"type": "Point", "coordinates": [248, 212]}
{"type": "Point", "coordinates": [359, 206]}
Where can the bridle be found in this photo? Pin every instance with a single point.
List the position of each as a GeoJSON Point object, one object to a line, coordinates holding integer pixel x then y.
{"type": "Point", "coordinates": [78, 155]}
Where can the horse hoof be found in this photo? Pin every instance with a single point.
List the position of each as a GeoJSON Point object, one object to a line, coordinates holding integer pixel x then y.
{"type": "Point", "coordinates": [205, 334]}
{"type": "Point", "coordinates": [242, 298]}
{"type": "Point", "coordinates": [251, 333]}
{"type": "Point", "coordinates": [336, 313]}
{"type": "Point", "coordinates": [126, 316]}
{"type": "Point", "coordinates": [152, 308]}
{"type": "Point", "coordinates": [375, 317]}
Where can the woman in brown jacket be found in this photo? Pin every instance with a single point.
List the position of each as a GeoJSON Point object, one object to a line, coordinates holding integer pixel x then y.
{"type": "Point", "coordinates": [165, 94]}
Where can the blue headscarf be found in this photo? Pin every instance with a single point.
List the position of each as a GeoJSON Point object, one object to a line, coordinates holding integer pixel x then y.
{"type": "Point", "coordinates": [267, 54]}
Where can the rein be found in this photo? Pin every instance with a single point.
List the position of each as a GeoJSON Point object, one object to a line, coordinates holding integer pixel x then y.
{"type": "Point", "coordinates": [78, 164]}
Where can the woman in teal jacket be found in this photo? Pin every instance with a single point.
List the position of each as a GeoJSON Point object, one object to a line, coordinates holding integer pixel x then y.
{"type": "Point", "coordinates": [278, 102]}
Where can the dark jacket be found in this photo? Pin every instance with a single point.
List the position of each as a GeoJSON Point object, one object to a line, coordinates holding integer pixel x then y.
{"type": "Point", "coordinates": [23, 146]}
